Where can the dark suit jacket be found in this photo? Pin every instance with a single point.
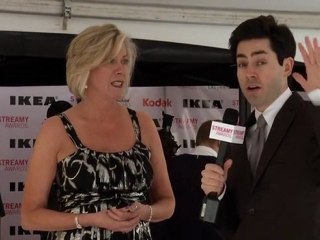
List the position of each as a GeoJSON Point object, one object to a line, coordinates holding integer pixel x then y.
{"type": "Point", "coordinates": [185, 176]}
{"type": "Point", "coordinates": [283, 201]}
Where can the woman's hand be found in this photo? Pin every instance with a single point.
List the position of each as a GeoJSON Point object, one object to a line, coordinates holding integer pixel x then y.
{"type": "Point", "coordinates": [123, 219]}
{"type": "Point", "coordinates": [143, 210]}
{"type": "Point", "coordinates": [117, 220]}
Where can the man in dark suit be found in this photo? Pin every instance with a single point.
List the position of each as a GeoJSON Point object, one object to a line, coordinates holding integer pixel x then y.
{"type": "Point", "coordinates": [185, 176]}
{"type": "Point", "coordinates": [279, 199]}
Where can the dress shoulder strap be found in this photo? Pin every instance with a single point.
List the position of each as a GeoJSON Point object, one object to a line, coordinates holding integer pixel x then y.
{"type": "Point", "coordinates": [135, 123]}
{"type": "Point", "coordinates": [70, 130]}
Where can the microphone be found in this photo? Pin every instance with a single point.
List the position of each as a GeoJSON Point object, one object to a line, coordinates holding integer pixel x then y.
{"type": "Point", "coordinates": [225, 132]}
{"type": "Point", "coordinates": [230, 117]}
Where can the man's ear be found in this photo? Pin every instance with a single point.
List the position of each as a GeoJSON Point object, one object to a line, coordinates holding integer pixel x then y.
{"type": "Point", "coordinates": [288, 64]}
{"type": "Point", "coordinates": [215, 145]}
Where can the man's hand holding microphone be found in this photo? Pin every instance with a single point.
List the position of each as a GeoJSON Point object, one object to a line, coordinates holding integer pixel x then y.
{"type": "Point", "coordinates": [214, 176]}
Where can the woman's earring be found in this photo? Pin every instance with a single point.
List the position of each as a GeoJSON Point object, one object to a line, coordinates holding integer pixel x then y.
{"type": "Point", "coordinates": [85, 87]}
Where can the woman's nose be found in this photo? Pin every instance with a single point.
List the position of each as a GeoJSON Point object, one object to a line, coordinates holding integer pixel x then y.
{"type": "Point", "coordinates": [119, 68]}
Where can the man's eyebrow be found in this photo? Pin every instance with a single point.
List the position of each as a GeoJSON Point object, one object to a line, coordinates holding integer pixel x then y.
{"type": "Point", "coordinates": [241, 55]}
{"type": "Point", "coordinates": [258, 52]}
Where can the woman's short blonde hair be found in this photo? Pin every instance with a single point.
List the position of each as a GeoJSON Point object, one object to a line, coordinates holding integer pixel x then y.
{"type": "Point", "coordinates": [91, 48]}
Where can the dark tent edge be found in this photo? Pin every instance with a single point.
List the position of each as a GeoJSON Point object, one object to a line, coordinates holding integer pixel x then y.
{"type": "Point", "coordinates": [31, 59]}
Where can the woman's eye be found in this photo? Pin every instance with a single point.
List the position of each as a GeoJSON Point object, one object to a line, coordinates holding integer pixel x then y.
{"type": "Point", "coordinates": [125, 61]}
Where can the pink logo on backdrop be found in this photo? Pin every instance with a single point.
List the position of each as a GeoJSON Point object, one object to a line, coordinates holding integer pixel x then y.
{"type": "Point", "coordinates": [12, 208]}
{"type": "Point", "coordinates": [11, 165]}
{"type": "Point", "coordinates": [11, 121]}
{"type": "Point", "coordinates": [160, 102]}
{"type": "Point", "coordinates": [186, 122]}
{"type": "Point", "coordinates": [235, 103]}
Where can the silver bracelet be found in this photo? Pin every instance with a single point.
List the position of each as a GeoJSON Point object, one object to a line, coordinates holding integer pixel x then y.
{"type": "Point", "coordinates": [76, 221]}
{"type": "Point", "coordinates": [151, 214]}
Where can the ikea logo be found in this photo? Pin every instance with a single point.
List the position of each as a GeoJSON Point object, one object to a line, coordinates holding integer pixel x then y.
{"type": "Point", "coordinates": [31, 100]}
{"type": "Point", "coordinates": [202, 103]}
{"type": "Point", "coordinates": [22, 143]}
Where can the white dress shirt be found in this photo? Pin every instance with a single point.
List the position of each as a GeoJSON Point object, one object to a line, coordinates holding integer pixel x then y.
{"type": "Point", "coordinates": [204, 151]}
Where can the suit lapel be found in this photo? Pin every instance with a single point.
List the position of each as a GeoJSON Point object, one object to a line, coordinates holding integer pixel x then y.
{"type": "Point", "coordinates": [278, 131]}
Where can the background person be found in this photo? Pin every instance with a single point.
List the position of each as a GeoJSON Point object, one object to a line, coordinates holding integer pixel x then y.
{"type": "Point", "coordinates": [185, 176]}
{"type": "Point", "coordinates": [280, 198]}
{"type": "Point", "coordinates": [106, 160]}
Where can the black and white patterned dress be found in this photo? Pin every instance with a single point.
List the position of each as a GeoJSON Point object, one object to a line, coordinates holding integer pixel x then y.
{"type": "Point", "coordinates": [89, 181]}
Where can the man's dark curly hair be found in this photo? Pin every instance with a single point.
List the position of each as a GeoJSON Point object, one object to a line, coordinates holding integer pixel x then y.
{"type": "Point", "coordinates": [265, 27]}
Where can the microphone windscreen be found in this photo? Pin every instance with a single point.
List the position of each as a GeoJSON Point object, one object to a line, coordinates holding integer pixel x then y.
{"type": "Point", "coordinates": [230, 116]}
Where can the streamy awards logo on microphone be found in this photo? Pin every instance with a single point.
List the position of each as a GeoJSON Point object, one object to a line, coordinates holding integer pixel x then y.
{"type": "Point", "coordinates": [227, 133]}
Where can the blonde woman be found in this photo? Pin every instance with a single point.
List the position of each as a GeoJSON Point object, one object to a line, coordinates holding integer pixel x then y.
{"type": "Point", "coordinates": [106, 159]}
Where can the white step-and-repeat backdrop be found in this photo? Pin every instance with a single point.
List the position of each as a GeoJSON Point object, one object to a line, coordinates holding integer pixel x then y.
{"type": "Point", "coordinates": [23, 109]}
